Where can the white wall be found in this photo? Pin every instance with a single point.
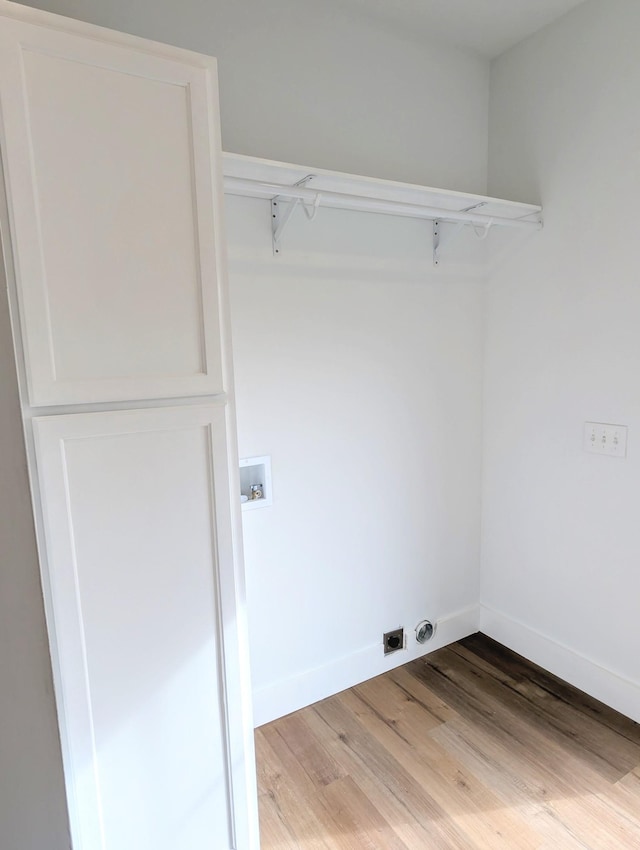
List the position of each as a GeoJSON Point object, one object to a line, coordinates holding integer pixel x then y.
{"type": "Point", "coordinates": [364, 385]}
{"type": "Point", "coordinates": [359, 372]}
{"type": "Point", "coordinates": [561, 537]}
{"type": "Point", "coordinates": [365, 392]}
{"type": "Point", "coordinates": [306, 81]}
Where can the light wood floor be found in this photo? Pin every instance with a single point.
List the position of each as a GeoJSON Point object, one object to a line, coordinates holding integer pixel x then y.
{"type": "Point", "coordinates": [471, 748]}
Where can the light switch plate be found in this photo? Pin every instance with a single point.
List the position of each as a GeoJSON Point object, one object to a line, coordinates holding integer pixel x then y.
{"type": "Point", "coordinates": [601, 438]}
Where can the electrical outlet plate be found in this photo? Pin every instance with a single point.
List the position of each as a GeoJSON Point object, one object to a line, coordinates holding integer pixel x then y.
{"type": "Point", "coordinates": [393, 641]}
{"type": "Point", "coordinates": [600, 438]}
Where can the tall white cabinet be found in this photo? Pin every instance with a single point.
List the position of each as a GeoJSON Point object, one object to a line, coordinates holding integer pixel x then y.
{"type": "Point", "coordinates": [114, 254]}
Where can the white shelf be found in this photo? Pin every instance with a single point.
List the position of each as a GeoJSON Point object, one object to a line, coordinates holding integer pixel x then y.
{"type": "Point", "coordinates": [263, 178]}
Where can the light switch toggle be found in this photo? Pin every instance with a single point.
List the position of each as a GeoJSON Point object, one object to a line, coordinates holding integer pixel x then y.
{"type": "Point", "coordinates": [600, 438]}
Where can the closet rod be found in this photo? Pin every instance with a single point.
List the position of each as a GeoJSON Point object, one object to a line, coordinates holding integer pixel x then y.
{"type": "Point", "coordinates": [339, 200]}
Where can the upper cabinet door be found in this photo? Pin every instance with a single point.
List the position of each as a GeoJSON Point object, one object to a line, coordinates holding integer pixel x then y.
{"type": "Point", "coordinates": [111, 156]}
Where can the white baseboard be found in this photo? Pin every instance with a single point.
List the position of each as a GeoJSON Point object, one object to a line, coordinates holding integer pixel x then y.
{"type": "Point", "coordinates": [289, 695]}
{"type": "Point", "coordinates": [579, 670]}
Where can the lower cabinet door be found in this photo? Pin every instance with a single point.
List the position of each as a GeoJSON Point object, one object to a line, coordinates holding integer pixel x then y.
{"type": "Point", "coordinates": [141, 580]}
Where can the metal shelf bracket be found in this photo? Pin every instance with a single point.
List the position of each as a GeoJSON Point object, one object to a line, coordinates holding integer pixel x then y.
{"type": "Point", "coordinates": [439, 240]}
{"type": "Point", "coordinates": [436, 242]}
{"type": "Point", "coordinates": [281, 211]}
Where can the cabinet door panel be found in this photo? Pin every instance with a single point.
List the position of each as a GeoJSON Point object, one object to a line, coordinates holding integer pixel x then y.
{"type": "Point", "coordinates": [138, 571]}
{"type": "Point", "coordinates": [111, 159]}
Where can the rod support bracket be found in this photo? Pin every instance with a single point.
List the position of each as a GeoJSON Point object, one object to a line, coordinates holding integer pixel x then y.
{"type": "Point", "coordinates": [281, 211]}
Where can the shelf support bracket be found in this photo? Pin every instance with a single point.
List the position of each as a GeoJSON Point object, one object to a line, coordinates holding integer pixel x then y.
{"type": "Point", "coordinates": [436, 242]}
{"type": "Point", "coordinates": [281, 212]}
{"type": "Point", "coordinates": [438, 236]}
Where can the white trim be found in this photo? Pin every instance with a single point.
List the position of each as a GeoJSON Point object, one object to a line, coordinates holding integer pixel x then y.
{"type": "Point", "coordinates": [287, 695]}
{"type": "Point", "coordinates": [611, 688]}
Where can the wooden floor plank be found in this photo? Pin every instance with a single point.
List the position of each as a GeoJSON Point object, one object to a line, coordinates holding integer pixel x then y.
{"type": "Point", "coordinates": [413, 687]}
{"type": "Point", "coordinates": [274, 831]}
{"type": "Point", "coordinates": [569, 718]}
{"type": "Point", "coordinates": [314, 758]}
{"type": "Point", "coordinates": [551, 685]}
{"type": "Point", "coordinates": [511, 717]}
{"type": "Point", "coordinates": [360, 824]}
{"type": "Point", "coordinates": [443, 832]}
{"type": "Point", "coordinates": [547, 725]}
{"type": "Point", "coordinates": [398, 809]}
{"type": "Point", "coordinates": [534, 785]}
{"type": "Point", "coordinates": [568, 770]}
{"type": "Point", "coordinates": [474, 809]}
{"type": "Point", "coordinates": [294, 799]}
{"type": "Point", "coordinates": [470, 748]}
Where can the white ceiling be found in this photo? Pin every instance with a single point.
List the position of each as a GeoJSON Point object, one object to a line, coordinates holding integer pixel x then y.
{"type": "Point", "coordinates": [488, 27]}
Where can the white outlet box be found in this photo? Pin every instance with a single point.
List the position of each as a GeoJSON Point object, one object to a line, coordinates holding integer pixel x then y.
{"type": "Point", "coordinates": [600, 438]}
{"type": "Point", "coordinates": [255, 475]}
